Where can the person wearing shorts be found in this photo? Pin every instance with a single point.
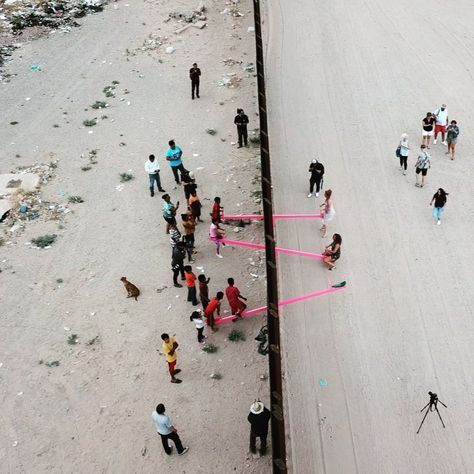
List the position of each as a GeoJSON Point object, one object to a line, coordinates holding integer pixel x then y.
{"type": "Point", "coordinates": [169, 211]}
{"type": "Point", "coordinates": [452, 134]}
{"type": "Point", "coordinates": [441, 122]}
{"type": "Point", "coordinates": [422, 164]}
{"type": "Point", "coordinates": [428, 129]}
{"type": "Point", "coordinates": [327, 210]}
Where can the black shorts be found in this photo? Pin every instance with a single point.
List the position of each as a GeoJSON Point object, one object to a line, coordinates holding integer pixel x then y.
{"type": "Point", "coordinates": [423, 172]}
{"type": "Point", "coordinates": [170, 220]}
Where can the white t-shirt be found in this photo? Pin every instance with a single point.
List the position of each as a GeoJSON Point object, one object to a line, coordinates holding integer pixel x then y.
{"type": "Point", "coordinates": [199, 323]}
{"type": "Point", "coordinates": [151, 167]}
{"type": "Point", "coordinates": [441, 116]}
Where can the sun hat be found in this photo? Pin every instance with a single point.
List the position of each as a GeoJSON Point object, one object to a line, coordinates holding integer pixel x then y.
{"type": "Point", "coordinates": [257, 407]}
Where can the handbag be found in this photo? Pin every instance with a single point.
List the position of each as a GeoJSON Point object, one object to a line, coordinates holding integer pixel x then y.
{"type": "Point", "coordinates": [397, 151]}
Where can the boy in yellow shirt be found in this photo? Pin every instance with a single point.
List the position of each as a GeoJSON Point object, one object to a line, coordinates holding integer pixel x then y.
{"type": "Point", "coordinates": [169, 347]}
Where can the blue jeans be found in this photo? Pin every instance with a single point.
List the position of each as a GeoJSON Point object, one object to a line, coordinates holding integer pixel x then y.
{"type": "Point", "coordinates": [437, 213]}
{"type": "Point", "coordinates": [153, 178]}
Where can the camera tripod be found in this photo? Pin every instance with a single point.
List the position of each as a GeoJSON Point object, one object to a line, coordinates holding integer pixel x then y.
{"type": "Point", "coordinates": [432, 405]}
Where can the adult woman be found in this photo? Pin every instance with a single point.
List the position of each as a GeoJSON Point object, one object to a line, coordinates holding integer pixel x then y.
{"type": "Point", "coordinates": [327, 210]}
{"type": "Point", "coordinates": [439, 200]}
{"type": "Point", "coordinates": [333, 251]}
{"type": "Point", "coordinates": [428, 129]}
{"type": "Point", "coordinates": [422, 164]}
{"type": "Point", "coordinates": [452, 133]}
{"type": "Point", "coordinates": [404, 150]}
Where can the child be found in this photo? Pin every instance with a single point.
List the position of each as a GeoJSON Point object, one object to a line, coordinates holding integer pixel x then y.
{"type": "Point", "coordinates": [195, 205]}
{"type": "Point", "coordinates": [197, 319]}
{"type": "Point", "coordinates": [204, 290]}
{"type": "Point", "coordinates": [237, 306]}
{"type": "Point", "coordinates": [189, 226]}
{"type": "Point", "coordinates": [216, 234]}
{"type": "Point", "coordinates": [217, 210]}
{"type": "Point", "coordinates": [191, 284]}
{"type": "Point", "coordinates": [215, 304]}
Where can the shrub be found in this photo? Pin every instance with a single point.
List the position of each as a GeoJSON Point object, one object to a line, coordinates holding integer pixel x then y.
{"type": "Point", "coordinates": [44, 240]}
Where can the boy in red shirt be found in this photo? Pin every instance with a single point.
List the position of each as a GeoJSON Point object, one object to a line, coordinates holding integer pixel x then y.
{"type": "Point", "coordinates": [217, 210]}
{"type": "Point", "coordinates": [215, 304]}
{"type": "Point", "coordinates": [237, 306]}
{"type": "Point", "coordinates": [191, 284]}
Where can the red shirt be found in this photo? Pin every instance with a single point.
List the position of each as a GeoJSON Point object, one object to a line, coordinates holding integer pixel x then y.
{"type": "Point", "coordinates": [212, 306]}
{"type": "Point", "coordinates": [190, 279]}
{"type": "Point", "coordinates": [216, 211]}
{"type": "Point", "coordinates": [232, 293]}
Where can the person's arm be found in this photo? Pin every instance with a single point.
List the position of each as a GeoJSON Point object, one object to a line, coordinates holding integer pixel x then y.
{"type": "Point", "coordinates": [199, 72]}
{"type": "Point", "coordinates": [242, 297]}
{"type": "Point", "coordinates": [169, 156]}
{"type": "Point", "coordinates": [246, 120]}
{"type": "Point", "coordinates": [170, 426]}
{"type": "Point", "coordinates": [208, 280]}
{"type": "Point", "coordinates": [236, 120]}
{"type": "Point", "coordinates": [431, 203]}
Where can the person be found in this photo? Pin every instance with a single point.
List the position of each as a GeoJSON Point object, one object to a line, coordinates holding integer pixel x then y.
{"type": "Point", "coordinates": [189, 184]}
{"type": "Point", "coordinates": [217, 210]}
{"type": "Point", "coordinates": [153, 169]}
{"type": "Point", "coordinates": [187, 221]}
{"type": "Point", "coordinates": [216, 234]}
{"type": "Point", "coordinates": [452, 135]}
{"type": "Point", "coordinates": [194, 75]}
{"type": "Point", "coordinates": [317, 172]}
{"type": "Point", "coordinates": [173, 156]}
{"type": "Point", "coordinates": [428, 128]}
{"type": "Point", "coordinates": [177, 263]}
{"type": "Point", "coordinates": [213, 306]}
{"type": "Point", "coordinates": [167, 431]}
{"type": "Point", "coordinates": [175, 236]}
{"type": "Point", "coordinates": [404, 150]}
{"type": "Point", "coordinates": [258, 418]}
{"type": "Point", "coordinates": [195, 206]}
{"type": "Point", "coordinates": [237, 306]}
{"type": "Point", "coordinates": [441, 122]}
{"type": "Point", "coordinates": [169, 347]}
{"type": "Point", "coordinates": [196, 318]}
{"type": "Point", "coordinates": [191, 284]}
{"type": "Point", "coordinates": [422, 164]}
{"type": "Point", "coordinates": [241, 120]}
{"type": "Point", "coordinates": [439, 199]}
{"type": "Point", "coordinates": [327, 211]}
{"type": "Point", "coordinates": [169, 211]}
{"type": "Point", "coordinates": [204, 290]}
{"type": "Point", "coordinates": [333, 251]}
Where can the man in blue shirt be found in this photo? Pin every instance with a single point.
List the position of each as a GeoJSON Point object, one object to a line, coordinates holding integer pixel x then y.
{"type": "Point", "coordinates": [173, 157]}
{"type": "Point", "coordinates": [166, 430]}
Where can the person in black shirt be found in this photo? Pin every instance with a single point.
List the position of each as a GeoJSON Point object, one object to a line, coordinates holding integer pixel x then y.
{"type": "Point", "coordinates": [189, 184]}
{"type": "Point", "coordinates": [439, 199]}
{"type": "Point", "coordinates": [258, 418]}
{"type": "Point", "coordinates": [428, 129]}
{"type": "Point", "coordinates": [241, 120]}
{"type": "Point", "coordinates": [194, 75]}
{"type": "Point", "coordinates": [317, 171]}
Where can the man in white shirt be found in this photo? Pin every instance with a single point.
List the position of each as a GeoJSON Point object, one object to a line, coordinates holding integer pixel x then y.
{"type": "Point", "coordinates": [166, 430]}
{"type": "Point", "coordinates": [153, 169]}
{"type": "Point", "coordinates": [441, 122]}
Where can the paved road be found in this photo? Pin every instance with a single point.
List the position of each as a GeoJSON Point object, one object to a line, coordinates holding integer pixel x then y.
{"type": "Point", "coordinates": [344, 80]}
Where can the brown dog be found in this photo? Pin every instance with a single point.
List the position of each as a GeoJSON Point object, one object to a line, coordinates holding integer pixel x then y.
{"type": "Point", "coordinates": [132, 290]}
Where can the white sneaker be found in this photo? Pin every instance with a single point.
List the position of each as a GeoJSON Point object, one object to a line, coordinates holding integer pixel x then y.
{"type": "Point", "coordinates": [219, 255]}
{"type": "Point", "coordinates": [317, 195]}
{"type": "Point", "coordinates": [400, 168]}
{"type": "Point", "coordinates": [445, 143]}
{"type": "Point", "coordinates": [434, 142]}
{"type": "Point", "coordinates": [405, 173]}
{"type": "Point", "coordinates": [439, 222]}
{"type": "Point", "coordinates": [310, 194]}
{"type": "Point", "coordinates": [184, 451]}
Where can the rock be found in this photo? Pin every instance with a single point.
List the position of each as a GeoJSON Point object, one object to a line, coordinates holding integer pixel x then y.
{"type": "Point", "coordinates": [170, 50]}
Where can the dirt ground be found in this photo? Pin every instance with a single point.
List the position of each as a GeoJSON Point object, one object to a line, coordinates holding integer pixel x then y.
{"type": "Point", "coordinates": [86, 407]}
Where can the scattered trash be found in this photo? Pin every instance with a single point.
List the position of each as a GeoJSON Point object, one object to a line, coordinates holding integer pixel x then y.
{"type": "Point", "coordinates": [211, 131]}
{"type": "Point", "coordinates": [34, 67]}
{"type": "Point", "coordinates": [170, 50]}
{"type": "Point", "coordinates": [323, 383]}
{"type": "Point", "coordinates": [250, 29]}
{"type": "Point", "coordinates": [216, 376]}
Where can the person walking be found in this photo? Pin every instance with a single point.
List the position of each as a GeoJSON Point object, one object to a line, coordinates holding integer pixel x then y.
{"type": "Point", "coordinates": [258, 418]}
{"type": "Point", "coordinates": [173, 157]}
{"type": "Point", "coordinates": [422, 164]}
{"type": "Point", "coordinates": [177, 263]}
{"type": "Point", "coordinates": [241, 120]}
{"type": "Point", "coordinates": [333, 251]}
{"type": "Point", "coordinates": [327, 210]}
{"type": "Point", "coordinates": [167, 431]}
{"type": "Point", "coordinates": [153, 169]}
{"type": "Point", "coordinates": [439, 199]}
{"type": "Point", "coordinates": [169, 347]}
{"type": "Point", "coordinates": [169, 211]}
{"type": "Point", "coordinates": [452, 137]}
{"type": "Point", "coordinates": [237, 306]}
{"type": "Point", "coordinates": [196, 318]}
{"type": "Point", "coordinates": [317, 172]}
{"type": "Point", "coordinates": [191, 285]}
{"type": "Point", "coordinates": [428, 129]}
{"type": "Point", "coordinates": [204, 290]}
{"type": "Point", "coordinates": [213, 306]}
{"type": "Point", "coordinates": [216, 234]}
{"type": "Point", "coordinates": [194, 75]}
{"type": "Point", "coordinates": [404, 151]}
{"type": "Point", "coordinates": [441, 122]}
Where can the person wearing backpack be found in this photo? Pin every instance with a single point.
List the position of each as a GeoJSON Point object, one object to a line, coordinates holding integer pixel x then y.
{"type": "Point", "coordinates": [422, 165]}
{"type": "Point", "coordinates": [441, 122]}
{"type": "Point", "coordinates": [452, 133]}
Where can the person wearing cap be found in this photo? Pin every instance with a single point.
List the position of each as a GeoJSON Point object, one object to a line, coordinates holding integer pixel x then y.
{"type": "Point", "coordinates": [241, 120]}
{"type": "Point", "coordinates": [258, 418]}
{"type": "Point", "coordinates": [317, 171]}
{"type": "Point", "coordinates": [441, 122]}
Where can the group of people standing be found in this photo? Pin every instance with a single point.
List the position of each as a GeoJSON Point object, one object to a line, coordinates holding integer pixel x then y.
{"type": "Point", "coordinates": [433, 124]}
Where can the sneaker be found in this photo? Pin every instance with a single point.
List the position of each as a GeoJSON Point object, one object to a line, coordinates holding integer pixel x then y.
{"type": "Point", "coordinates": [178, 285]}
{"type": "Point", "coordinates": [219, 255]}
{"type": "Point", "coordinates": [310, 194]}
{"type": "Point", "coordinates": [439, 222]}
{"type": "Point", "coordinates": [418, 185]}
{"type": "Point", "coordinates": [184, 451]}
{"type": "Point", "coordinates": [400, 168]}
{"type": "Point", "coordinates": [434, 142]}
{"type": "Point", "coordinates": [405, 173]}
{"type": "Point", "coordinates": [445, 143]}
{"type": "Point", "coordinates": [152, 193]}
{"type": "Point", "coordinates": [162, 190]}
{"type": "Point", "coordinates": [317, 195]}
{"type": "Point", "coordinates": [176, 381]}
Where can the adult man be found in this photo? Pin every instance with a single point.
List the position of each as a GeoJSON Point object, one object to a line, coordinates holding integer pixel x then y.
{"type": "Point", "coordinates": [194, 75]}
{"type": "Point", "coordinates": [153, 169]}
{"type": "Point", "coordinates": [237, 306]}
{"type": "Point", "coordinates": [169, 211]}
{"type": "Point", "coordinates": [441, 122]}
{"type": "Point", "coordinates": [177, 262]}
{"type": "Point", "coordinates": [166, 430]}
{"type": "Point", "coordinates": [258, 418]}
{"type": "Point", "coordinates": [169, 347]}
{"type": "Point", "coordinates": [241, 120]}
{"type": "Point", "coordinates": [173, 157]}
{"type": "Point", "coordinates": [317, 171]}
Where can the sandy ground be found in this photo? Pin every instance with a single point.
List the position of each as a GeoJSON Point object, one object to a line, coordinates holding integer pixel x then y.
{"type": "Point", "coordinates": [92, 413]}
{"type": "Point", "coordinates": [344, 80]}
